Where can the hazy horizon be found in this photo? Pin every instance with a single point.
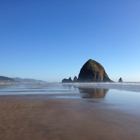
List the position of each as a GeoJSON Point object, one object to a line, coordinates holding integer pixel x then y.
{"type": "Point", "coordinates": [51, 40]}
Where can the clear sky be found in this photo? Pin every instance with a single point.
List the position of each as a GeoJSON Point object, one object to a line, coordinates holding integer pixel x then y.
{"type": "Point", "coordinates": [52, 39]}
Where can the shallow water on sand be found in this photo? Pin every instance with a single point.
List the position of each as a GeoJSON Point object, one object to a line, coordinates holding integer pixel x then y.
{"type": "Point", "coordinates": [123, 100]}
{"type": "Point", "coordinates": [114, 99]}
{"type": "Point", "coordinates": [36, 89]}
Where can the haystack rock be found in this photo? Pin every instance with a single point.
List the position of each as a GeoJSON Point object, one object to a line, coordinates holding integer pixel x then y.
{"type": "Point", "coordinates": [120, 80]}
{"type": "Point", "coordinates": [93, 71]}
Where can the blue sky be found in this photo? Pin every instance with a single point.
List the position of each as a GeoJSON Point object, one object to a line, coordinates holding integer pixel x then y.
{"type": "Point", "coordinates": [52, 39]}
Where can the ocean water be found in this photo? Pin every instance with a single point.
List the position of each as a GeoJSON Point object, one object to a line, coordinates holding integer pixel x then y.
{"type": "Point", "coordinates": [122, 96]}
{"type": "Point", "coordinates": [24, 89]}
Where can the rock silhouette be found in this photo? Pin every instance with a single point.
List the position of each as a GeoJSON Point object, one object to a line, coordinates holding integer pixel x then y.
{"type": "Point", "coordinates": [93, 71]}
{"type": "Point", "coordinates": [75, 79]}
{"type": "Point", "coordinates": [120, 80]}
{"type": "Point", "coordinates": [67, 80]}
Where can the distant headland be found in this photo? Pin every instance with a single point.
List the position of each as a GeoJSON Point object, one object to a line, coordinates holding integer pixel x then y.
{"type": "Point", "coordinates": [6, 79]}
{"type": "Point", "coordinates": [17, 80]}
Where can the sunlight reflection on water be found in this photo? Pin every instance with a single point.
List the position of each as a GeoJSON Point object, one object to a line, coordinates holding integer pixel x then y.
{"type": "Point", "coordinates": [115, 99]}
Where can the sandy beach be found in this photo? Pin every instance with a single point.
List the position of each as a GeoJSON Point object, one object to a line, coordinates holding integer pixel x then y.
{"type": "Point", "coordinates": [41, 117]}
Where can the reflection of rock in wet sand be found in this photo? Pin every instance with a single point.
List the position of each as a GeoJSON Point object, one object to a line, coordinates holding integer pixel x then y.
{"type": "Point", "coordinates": [93, 92]}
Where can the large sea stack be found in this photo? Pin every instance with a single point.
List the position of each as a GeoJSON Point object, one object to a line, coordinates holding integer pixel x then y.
{"type": "Point", "coordinates": [93, 71]}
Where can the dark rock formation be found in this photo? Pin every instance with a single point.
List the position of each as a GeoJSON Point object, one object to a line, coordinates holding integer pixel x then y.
{"type": "Point", "coordinates": [93, 71]}
{"type": "Point", "coordinates": [67, 80]}
{"type": "Point", "coordinates": [120, 80]}
{"type": "Point", "coordinates": [75, 79]}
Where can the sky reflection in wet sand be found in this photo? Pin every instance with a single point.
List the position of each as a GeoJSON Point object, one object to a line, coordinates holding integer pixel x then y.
{"type": "Point", "coordinates": [114, 99]}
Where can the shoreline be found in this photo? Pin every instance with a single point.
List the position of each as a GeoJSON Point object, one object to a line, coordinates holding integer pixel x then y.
{"type": "Point", "coordinates": [42, 117]}
{"type": "Point", "coordinates": [125, 86]}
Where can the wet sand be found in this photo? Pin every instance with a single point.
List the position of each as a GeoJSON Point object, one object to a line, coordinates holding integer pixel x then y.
{"type": "Point", "coordinates": [40, 117]}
